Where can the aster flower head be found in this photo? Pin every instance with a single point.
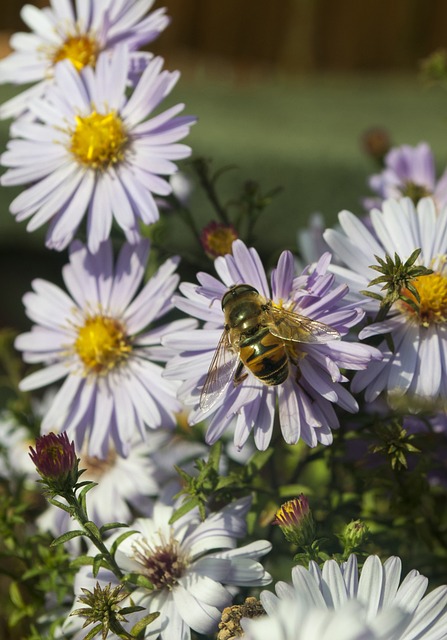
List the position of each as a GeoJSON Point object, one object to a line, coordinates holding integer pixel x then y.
{"type": "Point", "coordinates": [312, 377]}
{"type": "Point", "coordinates": [408, 172]}
{"type": "Point", "coordinates": [76, 31]}
{"type": "Point", "coordinates": [93, 152]}
{"type": "Point", "coordinates": [97, 337]}
{"type": "Point", "coordinates": [380, 604]}
{"type": "Point", "coordinates": [193, 566]}
{"type": "Point", "coordinates": [416, 367]}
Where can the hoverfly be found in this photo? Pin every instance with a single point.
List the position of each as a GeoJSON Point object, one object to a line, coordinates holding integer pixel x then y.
{"type": "Point", "coordinates": [259, 336]}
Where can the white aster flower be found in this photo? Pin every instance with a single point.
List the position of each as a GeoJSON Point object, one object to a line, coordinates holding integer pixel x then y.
{"type": "Point", "coordinates": [378, 591]}
{"type": "Point", "coordinates": [417, 367]}
{"type": "Point", "coordinates": [93, 152]}
{"type": "Point", "coordinates": [296, 620]}
{"type": "Point", "coordinates": [77, 31]}
{"type": "Point", "coordinates": [192, 565]}
{"type": "Point", "coordinates": [98, 339]}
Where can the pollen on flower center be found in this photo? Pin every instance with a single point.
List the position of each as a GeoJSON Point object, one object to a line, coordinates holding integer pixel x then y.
{"type": "Point", "coordinates": [432, 306]}
{"type": "Point", "coordinates": [81, 50]}
{"type": "Point", "coordinates": [99, 140]}
{"type": "Point", "coordinates": [162, 564]}
{"type": "Point", "coordinates": [102, 344]}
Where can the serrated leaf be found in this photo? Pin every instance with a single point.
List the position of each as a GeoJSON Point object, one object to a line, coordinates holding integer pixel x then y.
{"type": "Point", "coordinates": [185, 508]}
{"type": "Point", "coordinates": [69, 535]}
{"type": "Point", "coordinates": [143, 623]}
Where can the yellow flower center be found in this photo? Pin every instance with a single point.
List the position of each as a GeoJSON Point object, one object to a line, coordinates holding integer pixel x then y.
{"type": "Point", "coordinates": [99, 140]}
{"type": "Point", "coordinates": [217, 239]}
{"type": "Point", "coordinates": [81, 50]}
{"type": "Point", "coordinates": [432, 307]}
{"type": "Point", "coordinates": [102, 344]}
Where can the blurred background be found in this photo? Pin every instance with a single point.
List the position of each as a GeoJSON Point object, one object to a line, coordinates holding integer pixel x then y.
{"type": "Point", "coordinates": [284, 92]}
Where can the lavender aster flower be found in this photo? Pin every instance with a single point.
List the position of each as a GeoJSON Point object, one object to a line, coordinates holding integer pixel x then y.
{"type": "Point", "coordinates": [376, 595]}
{"type": "Point", "coordinates": [409, 171]}
{"type": "Point", "coordinates": [191, 565]}
{"type": "Point", "coordinates": [97, 338]}
{"type": "Point", "coordinates": [314, 380]}
{"type": "Point", "coordinates": [77, 31]}
{"type": "Point", "coordinates": [93, 151]}
{"type": "Point", "coordinates": [417, 366]}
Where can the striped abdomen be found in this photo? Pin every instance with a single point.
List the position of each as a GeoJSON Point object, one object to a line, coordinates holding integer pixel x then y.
{"type": "Point", "coordinates": [265, 356]}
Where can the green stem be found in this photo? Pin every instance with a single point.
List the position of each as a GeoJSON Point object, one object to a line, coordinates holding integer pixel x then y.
{"type": "Point", "coordinates": [80, 515]}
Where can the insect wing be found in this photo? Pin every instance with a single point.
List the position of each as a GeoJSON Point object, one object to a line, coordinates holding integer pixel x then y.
{"type": "Point", "coordinates": [222, 368]}
{"type": "Point", "coordinates": [288, 325]}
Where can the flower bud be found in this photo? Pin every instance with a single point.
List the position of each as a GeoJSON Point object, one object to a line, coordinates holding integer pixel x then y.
{"type": "Point", "coordinates": [56, 461]}
{"type": "Point", "coordinates": [354, 535]}
{"type": "Point", "coordinates": [296, 521]}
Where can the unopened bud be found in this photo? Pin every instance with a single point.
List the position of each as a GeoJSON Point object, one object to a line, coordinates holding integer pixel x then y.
{"type": "Point", "coordinates": [296, 521]}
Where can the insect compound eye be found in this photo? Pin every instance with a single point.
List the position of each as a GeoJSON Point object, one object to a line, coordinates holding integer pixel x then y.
{"type": "Point", "coordinates": [237, 291]}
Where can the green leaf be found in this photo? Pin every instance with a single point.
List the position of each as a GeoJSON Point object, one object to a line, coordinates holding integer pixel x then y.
{"type": "Point", "coordinates": [259, 459]}
{"type": "Point", "coordinates": [81, 561]}
{"type": "Point", "coordinates": [116, 543]}
{"type": "Point", "coordinates": [185, 508]}
{"type": "Point", "coordinates": [92, 633]}
{"type": "Point", "coordinates": [60, 505]}
{"type": "Point", "coordinates": [93, 529]}
{"type": "Point", "coordinates": [98, 562]}
{"type": "Point", "coordinates": [294, 490]}
{"type": "Point", "coordinates": [16, 595]}
{"type": "Point", "coordinates": [112, 525]}
{"type": "Point", "coordinates": [67, 536]}
{"type": "Point", "coordinates": [143, 623]}
{"type": "Point", "coordinates": [214, 455]}
{"type": "Point", "coordinates": [139, 579]}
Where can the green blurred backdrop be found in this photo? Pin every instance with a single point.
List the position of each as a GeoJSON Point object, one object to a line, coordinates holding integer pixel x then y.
{"type": "Point", "coordinates": [284, 91]}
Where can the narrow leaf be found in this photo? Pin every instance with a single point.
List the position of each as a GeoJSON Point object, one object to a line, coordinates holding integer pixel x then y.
{"type": "Point", "coordinates": [65, 537]}
{"type": "Point", "coordinates": [143, 623]}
